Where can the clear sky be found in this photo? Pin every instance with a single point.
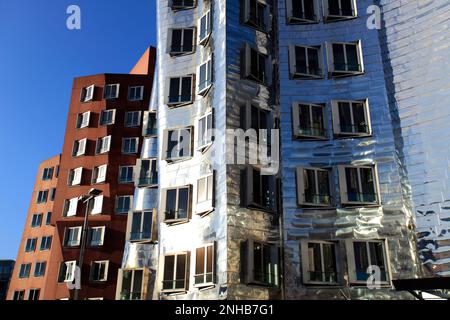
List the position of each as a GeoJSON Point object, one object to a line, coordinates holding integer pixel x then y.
{"type": "Point", "coordinates": [39, 57]}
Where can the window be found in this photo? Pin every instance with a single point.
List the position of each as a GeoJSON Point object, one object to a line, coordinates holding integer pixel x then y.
{"type": "Point", "coordinates": [70, 207]}
{"type": "Point", "coordinates": [57, 172]}
{"type": "Point", "coordinates": [351, 118]}
{"type": "Point", "coordinates": [255, 65]}
{"type": "Point", "coordinates": [75, 176]}
{"type": "Point", "coordinates": [52, 194]}
{"type": "Point", "coordinates": [126, 175]}
{"type": "Point", "coordinates": [111, 91]}
{"type": "Point", "coordinates": [177, 144]}
{"type": "Point", "coordinates": [302, 11]}
{"type": "Point", "coordinates": [47, 174]}
{"type": "Point", "coordinates": [136, 93]}
{"type": "Point", "coordinates": [319, 264]}
{"type": "Point", "coordinates": [358, 185]}
{"type": "Point", "coordinates": [42, 197]}
{"type": "Point", "coordinates": [204, 266]}
{"type": "Point", "coordinates": [36, 220]}
{"type": "Point", "coordinates": [96, 236]}
{"type": "Point", "coordinates": [176, 272]}
{"type": "Point", "coordinates": [335, 10]}
{"type": "Point", "coordinates": [99, 271]}
{"type": "Point", "coordinates": [205, 194]}
{"type": "Point", "coordinates": [258, 191]}
{"type": "Point", "coordinates": [96, 205]}
{"type": "Point", "coordinates": [182, 4]}
{"type": "Point", "coordinates": [149, 124]}
{"type": "Point", "coordinates": [30, 245]}
{"type": "Point", "coordinates": [133, 284]}
{"type": "Point", "coordinates": [261, 264]}
{"type": "Point", "coordinates": [19, 295]}
{"type": "Point", "coordinates": [107, 117]}
{"type": "Point", "coordinates": [103, 145]}
{"type": "Point", "coordinates": [46, 243]}
{"type": "Point", "coordinates": [67, 271]}
{"type": "Point", "coordinates": [130, 145]}
{"type": "Point", "coordinates": [261, 121]}
{"type": "Point", "coordinates": [256, 14]}
{"type": "Point", "coordinates": [48, 219]}
{"type": "Point", "coordinates": [309, 121]}
{"type": "Point", "coordinates": [180, 90]}
{"type": "Point", "coordinates": [364, 254]}
{"type": "Point", "coordinates": [313, 187]}
{"type": "Point", "coordinates": [345, 59]}
{"type": "Point", "coordinates": [24, 271]}
{"type": "Point", "coordinates": [87, 94]}
{"type": "Point", "coordinates": [181, 41]}
{"type": "Point", "coordinates": [123, 204]}
{"type": "Point", "coordinates": [39, 269]}
{"type": "Point", "coordinates": [205, 126]}
{"type": "Point", "coordinates": [83, 120]}
{"type": "Point", "coordinates": [204, 27]}
{"type": "Point", "coordinates": [72, 237]}
{"type": "Point", "coordinates": [141, 226]}
{"type": "Point", "coordinates": [99, 174]}
{"type": "Point", "coordinates": [148, 174]}
{"type": "Point", "coordinates": [177, 205]}
{"type": "Point", "coordinates": [79, 148]}
{"type": "Point", "coordinates": [205, 75]}
{"type": "Point", "coordinates": [33, 294]}
{"type": "Point", "coordinates": [305, 62]}
{"type": "Point", "coordinates": [132, 119]}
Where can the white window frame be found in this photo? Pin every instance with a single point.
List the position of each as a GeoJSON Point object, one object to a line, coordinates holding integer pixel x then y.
{"type": "Point", "coordinates": [104, 263]}
{"type": "Point", "coordinates": [293, 62]}
{"type": "Point", "coordinates": [205, 263]}
{"type": "Point", "coordinates": [77, 240]}
{"type": "Point", "coordinates": [207, 16]}
{"type": "Point", "coordinates": [336, 118]}
{"type": "Point", "coordinates": [189, 204]}
{"type": "Point", "coordinates": [170, 38]}
{"type": "Point", "coordinates": [343, 185]}
{"type": "Point", "coordinates": [204, 139]}
{"type": "Point", "coordinates": [301, 201]}
{"type": "Point", "coordinates": [124, 181]}
{"type": "Point", "coordinates": [175, 275]}
{"type": "Point", "coordinates": [138, 171]}
{"type": "Point", "coordinates": [131, 215]}
{"type": "Point", "coordinates": [180, 103]}
{"type": "Point", "coordinates": [296, 121]}
{"type": "Point", "coordinates": [70, 207]}
{"type": "Point", "coordinates": [301, 20]}
{"type": "Point", "coordinates": [47, 240]}
{"type": "Point", "coordinates": [130, 151]}
{"type": "Point", "coordinates": [75, 176]}
{"type": "Point", "coordinates": [87, 94]}
{"type": "Point", "coordinates": [344, 73]}
{"type": "Point", "coordinates": [205, 206]}
{"type": "Point", "coordinates": [249, 260]}
{"type": "Point", "coordinates": [102, 240]}
{"type": "Point", "coordinates": [209, 76]}
{"type": "Point", "coordinates": [304, 249]}
{"type": "Point", "coordinates": [96, 205]}
{"type": "Point", "coordinates": [327, 17]}
{"type": "Point", "coordinates": [39, 217]}
{"type": "Point", "coordinates": [135, 117]}
{"type": "Point", "coordinates": [135, 89]}
{"type": "Point", "coordinates": [30, 245]}
{"type": "Point", "coordinates": [182, 7]}
{"type": "Point", "coordinates": [110, 96]}
{"type": "Point", "coordinates": [117, 204]}
{"type": "Point", "coordinates": [254, 24]}
{"type": "Point", "coordinates": [99, 174]}
{"type": "Point", "coordinates": [146, 122]}
{"type": "Point", "coordinates": [83, 120]}
{"type": "Point", "coordinates": [79, 148]}
{"type": "Point", "coordinates": [70, 271]}
{"type": "Point", "coordinates": [113, 117]}
{"type": "Point", "coordinates": [179, 135]}
{"type": "Point", "coordinates": [133, 290]}
{"type": "Point", "coordinates": [42, 269]}
{"type": "Point", "coordinates": [247, 66]}
{"type": "Point", "coordinates": [101, 143]}
{"type": "Point", "coordinates": [42, 196]}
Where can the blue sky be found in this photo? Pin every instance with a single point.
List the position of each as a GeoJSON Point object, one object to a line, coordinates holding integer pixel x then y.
{"type": "Point", "coordinates": [39, 57]}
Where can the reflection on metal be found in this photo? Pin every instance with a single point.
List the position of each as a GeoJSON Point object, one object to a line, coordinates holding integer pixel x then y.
{"type": "Point", "coordinates": [137, 255]}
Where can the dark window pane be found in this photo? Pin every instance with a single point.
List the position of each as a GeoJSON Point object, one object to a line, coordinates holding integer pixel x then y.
{"type": "Point", "coordinates": [257, 187]}
{"type": "Point", "coordinates": [169, 262]}
{"type": "Point", "coordinates": [187, 41]}
{"type": "Point", "coordinates": [333, 7]}
{"type": "Point", "coordinates": [183, 200]}
{"type": "Point", "coordinates": [339, 57]}
{"type": "Point", "coordinates": [171, 204]}
{"type": "Point", "coordinates": [318, 128]}
{"type": "Point", "coordinates": [352, 57]}
{"type": "Point", "coordinates": [176, 40]}
{"type": "Point", "coordinates": [186, 89]}
{"type": "Point", "coordinates": [367, 184]}
{"type": "Point", "coordinates": [345, 119]}
{"type": "Point", "coordinates": [313, 61]}
{"type": "Point", "coordinates": [174, 91]}
{"type": "Point", "coordinates": [352, 184]}
{"type": "Point", "coordinates": [200, 261]}
{"type": "Point", "coordinates": [180, 271]}
{"type": "Point", "coordinates": [361, 260]}
{"type": "Point", "coordinates": [359, 118]}
{"type": "Point", "coordinates": [346, 8]}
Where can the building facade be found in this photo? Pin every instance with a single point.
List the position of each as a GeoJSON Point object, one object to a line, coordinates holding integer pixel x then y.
{"type": "Point", "coordinates": [6, 271]}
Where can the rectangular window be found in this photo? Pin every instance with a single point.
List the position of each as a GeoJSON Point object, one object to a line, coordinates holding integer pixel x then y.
{"type": "Point", "coordinates": [182, 4]}
{"type": "Point", "coordinates": [96, 205]}
{"type": "Point", "coordinates": [42, 197]}
{"type": "Point", "coordinates": [70, 207]}
{"type": "Point", "coordinates": [87, 94]}
{"type": "Point", "coordinates": [141, 226]}
{"type": "Point", "coordinates": [48, 219]}
{"type": "Point", "coordinates": [79, 148]}
{"type": "Point", "coordinates": [204, 27]}
{"type": "Point", "coordinates": [57, 172]}
{"type": "Point", "coordinates": [132, 119]}
{"type": "Point", "coordinates": [254, 65]}
{"type": "Point", "coordinates": [107, 117]}
{"type": "Point", "coordinates": [204, 266]}
{"type": "Point", "coordinates": [205, 126]}
{"type": "Point", "coordinates": [30, 245]}
{"type": "Point", "coordinates": [256, 14]}
{"type": "Point", "coordinates": [99, 271]}
{"type": "Point", "coordinates": [96, 236]}
{"type": "Point", "coordinates": [148, 174]}
{"type": "Point", "coordinates": [319, 264]}
{"type": "Point", "coordinates": [313, 187]}
{"type": "Point", "coordinates": [126, 174]}
{"type": "Point", "coordinates": [176, 273]}
{"type": "Point", "coordinates": [99, 174]}
{"type": "Point", "coordinates": [19, 295]}
{"type": "Point", "coordinates": [33, 294]}
{"type": "Point", "coordinates": [309, 121]}
{"type": "Point", "coordinates": [132, 284]}
{"type": "Point", "coordinates": [52, 194]}
{"type": "Point", "coordinates": [103, 145]}
{"type": "Point", "coordinates": [36, 220]}
{"type": "Point", "coordinates": [302, 11]}
{"type": "Point", "coordinates": [181, 41]}
{"type": "Point", "coordinates": [365, 254]}
{"type": "Point", "coordinates": [149, 124]}
{"type": "Point", "coordinates": [351, 118]}
{"type": "Point", "coordinates": [177, 144]}
{"type": "Point", "coordinates": [72, 237]}
{"type": "Point", "coordinates": [259, 191]}
{"type": "Point", "coordinates": [205, 195]}
{"type": "Point", "coordinates": [24, 271]}
{"type": "Point", "coordinates": [46, 243]}
{"type": "Point", "coordinates": [39, 269]}
{"type": "Point", "coordinates": [358, 185]}
{"type": "Point", "coordinates": [335, 10]}
{"type": "Point", "coordinates": [75, 176]}
{"type": "Point", "coordinates": [130, 145]}
{"type": "Point", "coordinates": [180, 90]}
{"type": "Point", "coordinates": [111, 91]}
{"type": "Point", "coordinates": [123, 204]}
{"type": "Point", "coordinates": [177, 204]}
{"type": "Point", "coordinates": [345, 59]}
{"type": "Point", "coordinates": [205, 76]}
{"type": "Point", "coordinates": [136, 93]}
{"type": "Point", "coordinates": [83, 120]}
{"type": "Point", "coordinates": [262, 265]}
{"type": "Point", "coordinates": [67, 271]}
{"type": "Point", "coordinates": [305, 62]}
{"type": "Point", "coordinates": [47, 174]}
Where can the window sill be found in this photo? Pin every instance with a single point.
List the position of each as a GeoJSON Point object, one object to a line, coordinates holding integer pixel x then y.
{"type": "Point", "coordinates": [204, 42]}
{"type": "Point", "coordinates": [301, 76]}
{"type": "Point", "coordinates": [175, 8]}
{"type": "Point", "coordinates": [300, 21]}
{"type": "Point", "coordinates": [360, 204]}
{"type": "Point", "coordinates": [173, 105]}
{"type": "Point", "coordinates": [315, 206]}
{"type": "Point", "coordinates": [310, 138]}
{"type": "Point", "coordinates": [204, 286]}
{"type": "Point", "coordinates": [204, 148]}
{"type": "Point", "coordinates": [342, 136]}
{"type": "Point", "coordinates": [332, 19]}
{"type": "Point", "coordinates": [321, 284]}
{"type": "Point", "coordinates": [176, 160]}
{"type": "Point", "coordinates": [175, 222]}
{"type": "Point", "coordinates": [180, 54]}
{"type": "Point", "coordinates": [345, 74]}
